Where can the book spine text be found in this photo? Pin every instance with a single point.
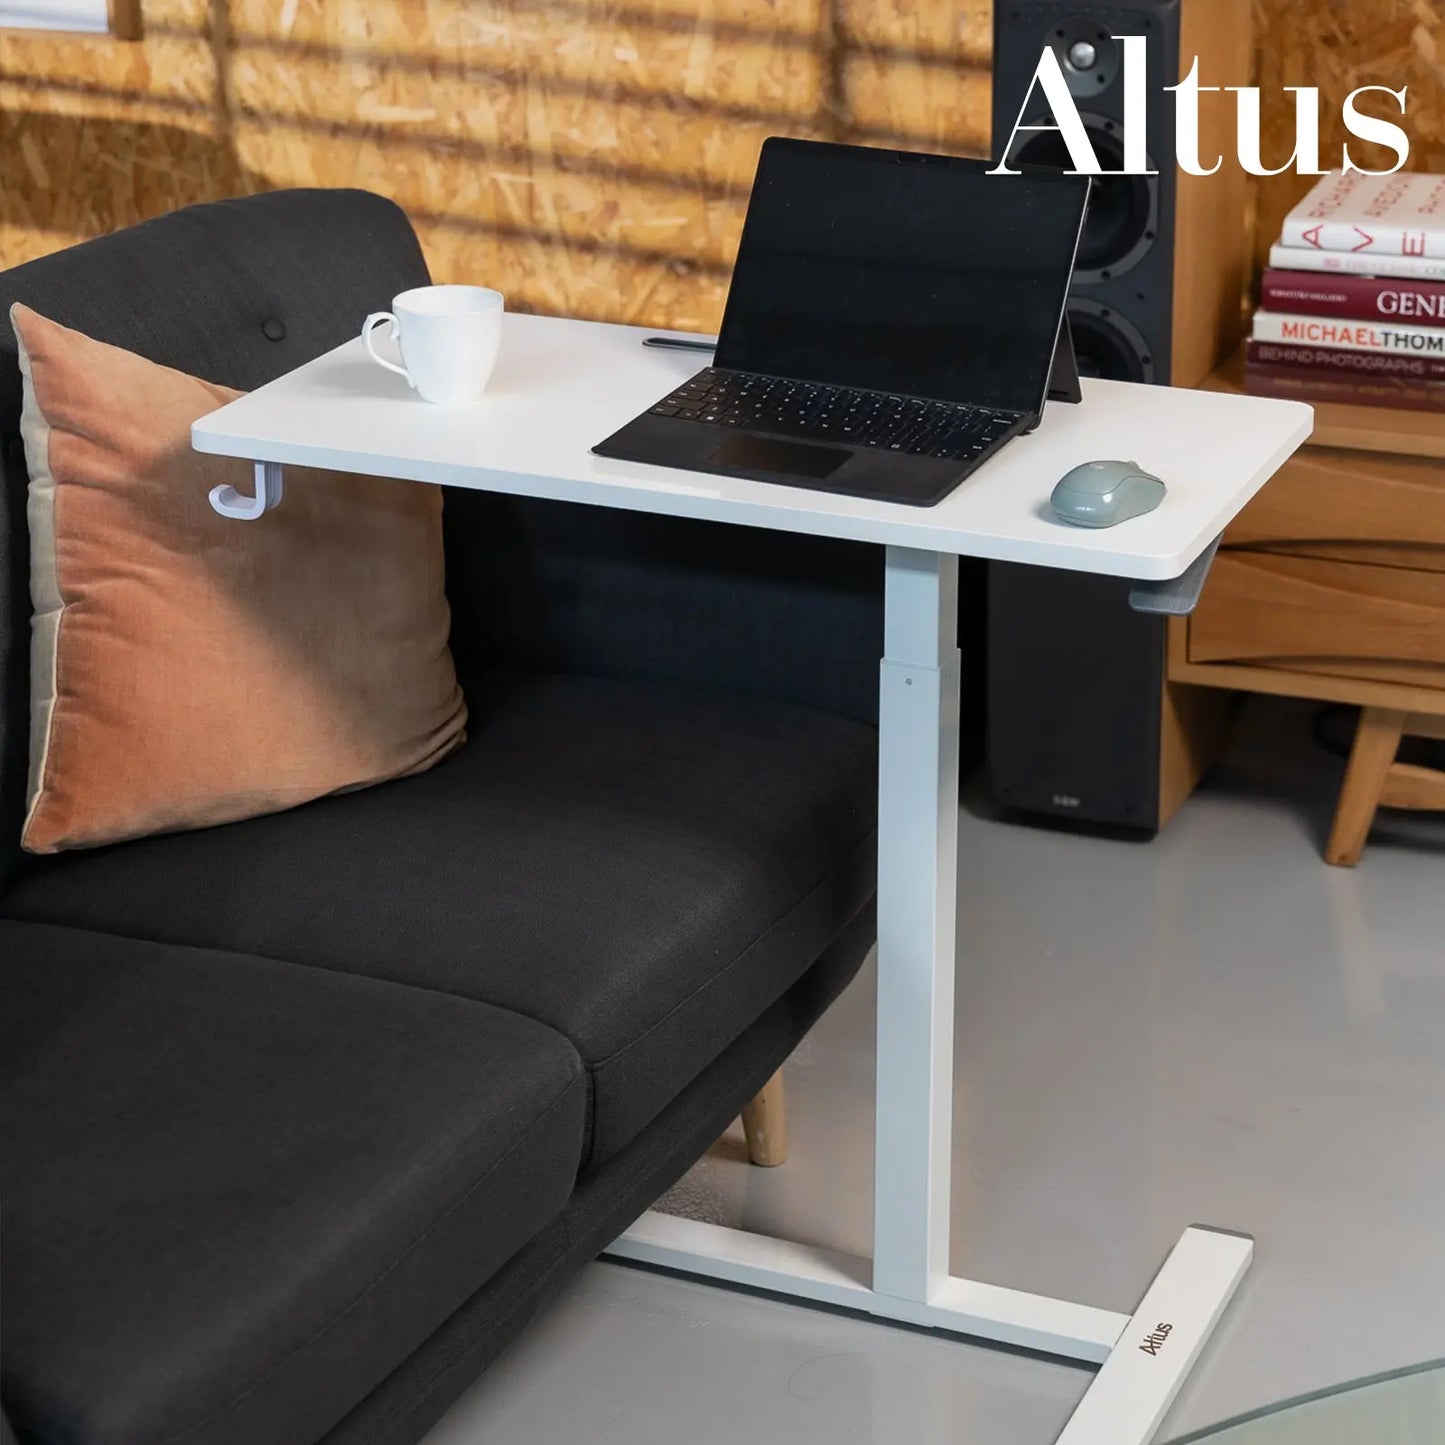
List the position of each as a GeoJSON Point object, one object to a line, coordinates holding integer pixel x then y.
{"type": "Point", "coordinates": [1297, 330]}
{"type": "Point", "coordinates": [1348, 391]}
{"type": "Point", "coordinates": [1364, 298]}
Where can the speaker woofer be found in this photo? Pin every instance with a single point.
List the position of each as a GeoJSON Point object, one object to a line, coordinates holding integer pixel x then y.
{"type": "Point", "coordinates": [1107, 344]}
{"type": "Point", "coordinates": [1123, 218]}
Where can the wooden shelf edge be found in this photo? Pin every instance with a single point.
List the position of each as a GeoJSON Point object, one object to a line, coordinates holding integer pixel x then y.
{"type": "Point", "coordinates": [1321, 687]}
{"type": "Point", "coordinates": [1355, 428]}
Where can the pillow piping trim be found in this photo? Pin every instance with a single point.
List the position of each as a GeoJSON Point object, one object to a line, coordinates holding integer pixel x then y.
{"type": "Point", "coordinates": [45, 594]}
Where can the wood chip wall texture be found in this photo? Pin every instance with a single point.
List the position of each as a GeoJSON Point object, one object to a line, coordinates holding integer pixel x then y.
{"type": "Point", "coordinates": [588, 157]}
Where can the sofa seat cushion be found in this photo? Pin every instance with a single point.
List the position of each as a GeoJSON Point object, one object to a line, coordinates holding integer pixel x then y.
{"type": "Point", "coordinates": [643, 868]}
{"type": "Point", "coordinates": [239, 1192]}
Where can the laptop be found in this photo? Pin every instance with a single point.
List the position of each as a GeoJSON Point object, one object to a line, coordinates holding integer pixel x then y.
{"type": "Point", "coordinates": [891, 324]}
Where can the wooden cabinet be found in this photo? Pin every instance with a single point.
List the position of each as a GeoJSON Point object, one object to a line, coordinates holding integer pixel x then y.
{"type": "Point", "coordinates": [1354, 506]}
{"type": "Point", "coordinates": [1331, 585]}
{"type": "Point", "coordinates": [1339, 619]}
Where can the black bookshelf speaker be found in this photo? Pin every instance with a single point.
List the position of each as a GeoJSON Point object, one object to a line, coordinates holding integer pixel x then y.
{"type": "Point", "coordinates": [1082, 723]}
{"type": "Point", "coordinates": [1066, 736]}
{"type": "Point", "coordinates": [1164, 258]}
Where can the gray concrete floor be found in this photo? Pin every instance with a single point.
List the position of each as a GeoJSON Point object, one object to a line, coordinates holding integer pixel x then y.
{"type": "Point", "coordinates": [1211, 1027]}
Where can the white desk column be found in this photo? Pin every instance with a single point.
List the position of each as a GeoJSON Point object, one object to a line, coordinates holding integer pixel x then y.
{"type": "Point", "coordinates": [917, 887]}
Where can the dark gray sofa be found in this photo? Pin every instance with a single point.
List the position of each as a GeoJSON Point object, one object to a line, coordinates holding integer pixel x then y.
{"type": "Point", "coordinates": [304, 1117]}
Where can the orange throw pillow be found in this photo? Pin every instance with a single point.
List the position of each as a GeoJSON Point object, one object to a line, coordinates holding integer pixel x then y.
{"type": "Point", "coordinates": [188, 669]}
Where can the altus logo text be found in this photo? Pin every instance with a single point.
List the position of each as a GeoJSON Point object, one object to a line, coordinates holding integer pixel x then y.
{"type": "Point", "coordinates": [1307, 160]}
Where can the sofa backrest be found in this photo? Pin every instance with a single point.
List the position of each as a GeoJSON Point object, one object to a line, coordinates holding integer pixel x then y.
{"type": "Point", "coordinates": [241, 291]}
{"type": "Point", "coordinates": [237, 292]}
{"type": "Point", "coordinates": [557, 587]}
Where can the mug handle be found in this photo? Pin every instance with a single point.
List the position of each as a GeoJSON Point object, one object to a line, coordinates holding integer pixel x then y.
{"type": "Point", "coordinates": [367, 327]}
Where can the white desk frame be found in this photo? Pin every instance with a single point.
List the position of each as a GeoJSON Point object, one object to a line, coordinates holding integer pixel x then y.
{"type": "Point", "coordinates": [909, 1279]}
{"type": "Point", "coordinates": [309, 418]}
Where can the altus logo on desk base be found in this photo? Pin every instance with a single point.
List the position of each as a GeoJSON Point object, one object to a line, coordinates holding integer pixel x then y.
{"type": "Point", "coordinates": [1065, 119]}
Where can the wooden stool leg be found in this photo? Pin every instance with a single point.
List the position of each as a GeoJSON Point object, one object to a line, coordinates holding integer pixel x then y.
{"type": "Point", "coordinates": [765, 1125]}
{"type": "Point", "coordinates": [1377, 740]}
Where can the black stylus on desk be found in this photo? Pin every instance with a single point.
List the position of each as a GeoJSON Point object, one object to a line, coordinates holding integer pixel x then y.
{"type": "Point", "coordinates": [678, 343]}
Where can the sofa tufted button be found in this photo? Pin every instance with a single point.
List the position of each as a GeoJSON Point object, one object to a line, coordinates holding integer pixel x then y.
{"type": "Point", "coordinates": [273, 329]}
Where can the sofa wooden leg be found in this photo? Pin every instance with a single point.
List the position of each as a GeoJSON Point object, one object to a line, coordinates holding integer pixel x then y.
{"type": "Point", "coordinates": [766, 1126]}
{"type": "Point", "coordinates": [1377, 740]}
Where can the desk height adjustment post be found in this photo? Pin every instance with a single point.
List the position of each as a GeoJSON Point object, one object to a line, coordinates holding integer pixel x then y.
{"type": "Point", "coordinates": [231, 503]}
{"type": "Point", "coordinates": [917, 866]}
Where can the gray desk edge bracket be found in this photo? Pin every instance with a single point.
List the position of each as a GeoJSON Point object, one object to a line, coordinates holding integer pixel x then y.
{"type": "Point", "coordinates": [1179, 596]}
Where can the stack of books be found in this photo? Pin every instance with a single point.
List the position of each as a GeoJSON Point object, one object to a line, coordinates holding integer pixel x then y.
{"type": "Point", "coordinates": [1352, 308]}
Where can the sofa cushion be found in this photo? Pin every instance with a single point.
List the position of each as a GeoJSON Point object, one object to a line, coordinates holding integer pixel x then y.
{"type": "Point", "coordinates": [606, 1201]}
{"type": "Point", "coordinates": [239, 1192]}
{"type": "Point", "coordinates": [644, 868]}
{"type": "Point", "coordinates": [188, 669]}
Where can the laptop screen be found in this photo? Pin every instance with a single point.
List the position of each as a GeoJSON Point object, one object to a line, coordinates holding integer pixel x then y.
{"type": "Point", "coordinates": [922, 275]}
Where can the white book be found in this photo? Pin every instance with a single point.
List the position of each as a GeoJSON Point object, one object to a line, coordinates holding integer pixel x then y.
{"type": "Point", "coordinates": [1350, 263]}
{"type": "Point", "coordinates": [1398, 215]}
{"type": "Point", "coordinates": [1348, 335]}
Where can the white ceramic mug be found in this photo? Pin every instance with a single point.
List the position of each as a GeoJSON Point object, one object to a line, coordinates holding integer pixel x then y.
{"type": "Point", "coordinates": [449, 337]}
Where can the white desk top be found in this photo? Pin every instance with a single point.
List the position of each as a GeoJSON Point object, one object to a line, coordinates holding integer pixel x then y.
{"type": "Point", "coordinates": [561, 386]}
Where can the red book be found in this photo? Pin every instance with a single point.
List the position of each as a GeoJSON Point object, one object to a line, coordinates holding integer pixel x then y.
{"type": "Point", "coordinates": [1335, 361]}
{"type": "Point", "coordinates": [1352, 391]}
{"type": "Point", "coordinates": [1363, 298]}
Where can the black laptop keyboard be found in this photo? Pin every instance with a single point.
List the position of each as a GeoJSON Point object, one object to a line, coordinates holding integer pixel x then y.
{"type": "Point", "coordinates": [779, 407]}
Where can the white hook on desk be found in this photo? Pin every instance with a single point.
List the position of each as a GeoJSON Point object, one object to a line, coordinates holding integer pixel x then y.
{"type": "Point", "coordinates": [231, 503]}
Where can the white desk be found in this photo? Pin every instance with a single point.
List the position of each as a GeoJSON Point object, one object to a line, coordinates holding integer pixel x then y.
{"type": "Point", "coordinates": [562, 386]}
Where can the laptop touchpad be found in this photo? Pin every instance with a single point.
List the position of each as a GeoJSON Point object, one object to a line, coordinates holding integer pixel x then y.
{"type": "Point", "coordinates": [797, 459]}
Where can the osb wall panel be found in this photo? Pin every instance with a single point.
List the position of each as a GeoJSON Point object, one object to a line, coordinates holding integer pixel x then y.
{"type": "Point", "coordinates": [586, 156]}
{"type": "Point", "coordinates": [1339, 45]}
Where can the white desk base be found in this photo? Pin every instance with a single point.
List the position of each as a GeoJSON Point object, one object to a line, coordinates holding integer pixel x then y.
{"type": "Point", "coordinates": [1144, 1357]}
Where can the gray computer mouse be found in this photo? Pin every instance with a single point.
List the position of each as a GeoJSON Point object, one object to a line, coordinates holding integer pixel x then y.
{"type": "Point", "coordinates": [1101, 494]}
